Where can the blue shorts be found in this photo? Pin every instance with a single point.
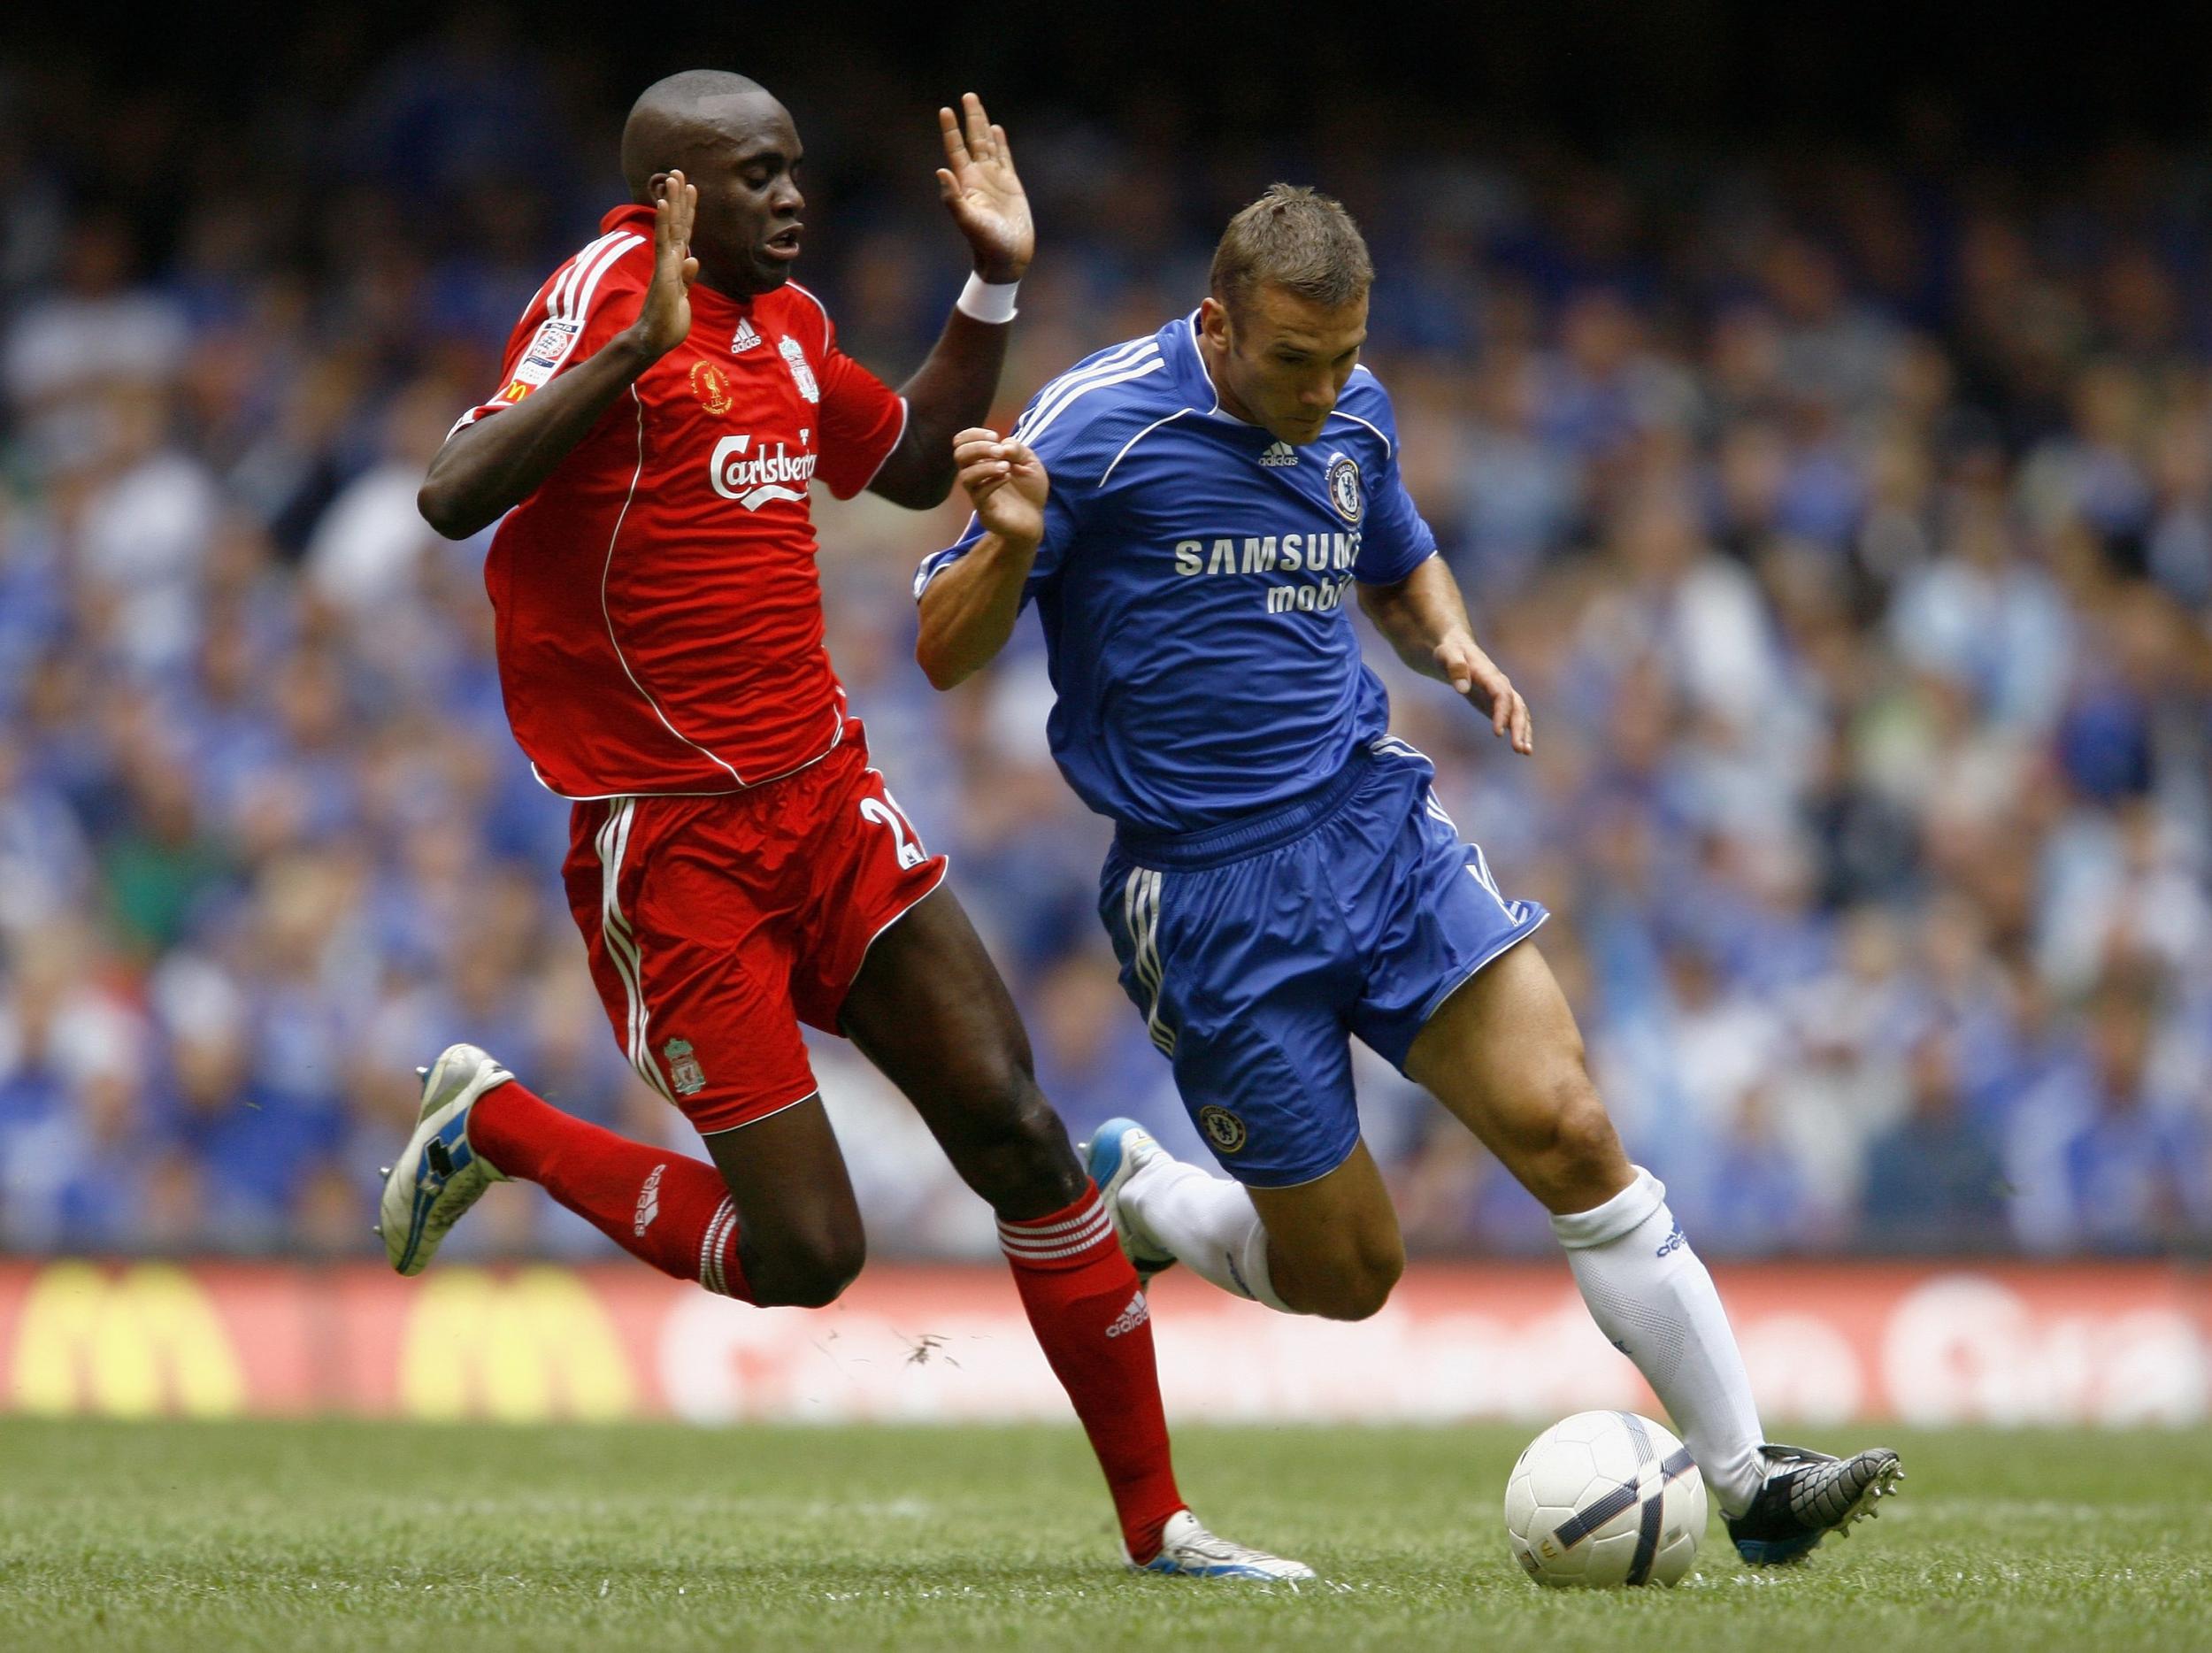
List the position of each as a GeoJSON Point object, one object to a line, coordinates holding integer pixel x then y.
{"type": "Point", "coordinates": [1253, 949]}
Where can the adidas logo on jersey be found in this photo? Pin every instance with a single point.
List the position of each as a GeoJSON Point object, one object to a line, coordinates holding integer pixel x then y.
{"type": "Point", "coordinates": [745, 337]}
{"type": "Point", "coordinates": [1279, 455]}
{"type": "Point", "coordinates": [1134, 1315]}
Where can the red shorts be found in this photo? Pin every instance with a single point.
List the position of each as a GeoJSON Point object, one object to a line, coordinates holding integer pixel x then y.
{"type": "Point", "coordinates": [716, 925]}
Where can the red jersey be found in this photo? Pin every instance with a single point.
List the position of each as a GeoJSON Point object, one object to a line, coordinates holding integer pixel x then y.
{"type": "Point", "coordinates": [659, 615]}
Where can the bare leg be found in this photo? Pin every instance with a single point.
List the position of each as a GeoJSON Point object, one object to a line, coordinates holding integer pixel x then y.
{"type": "Point", "coordinates": [798, 1226]}
{"type": "Point", "coordinates": [930, 1009]}
{"type": "Point", "coordinates": [1504, 1055]}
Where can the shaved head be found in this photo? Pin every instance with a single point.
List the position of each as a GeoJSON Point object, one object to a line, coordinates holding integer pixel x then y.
{"type": "Point", "coordinates": [672, 117]}
{"type": "Point", "coordinates": [735, 144]}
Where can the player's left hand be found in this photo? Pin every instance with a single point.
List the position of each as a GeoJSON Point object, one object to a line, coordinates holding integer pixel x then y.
{"type": "Point", "coordinates": [1462, 662]}
{"type": "Point", "coordinates": [984, 195]}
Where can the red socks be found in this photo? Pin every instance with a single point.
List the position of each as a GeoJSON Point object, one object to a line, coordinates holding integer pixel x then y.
{"type": "Point", "coordinates": [672, 1210]}
{"type": "Point", "coordinates": [1090, 1315]}
{"type": "Point", "coordinates": [1081, 1294]}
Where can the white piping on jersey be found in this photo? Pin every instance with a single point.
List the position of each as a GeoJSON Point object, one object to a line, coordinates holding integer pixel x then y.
{"type": "Point", "coordinates": [589, 285]}
{"type": "Point", "coordinates": [1191, 321]}
{"type": "Point", "coordinates": [608, 566]}
{"type": "Point", "coordinates": [1139, 436]}
{"type": "Point", "coordinates": [1119, 356]}
{"type": "Point", "coordinates": [570, 300]}
{"type": "Point", "coordinates": [1132, 362]}
{"type": "Point", "coordinates": [538, 775]}
{"type": "Point", "coordinates": [1155, 363]}
{"type": "Point", "coordinates": [1389, 448]}
{"type": "Point", "coordinates": [575, 309]}
{"type": "Point", "coordinates": [904, 412]}
{"type": "Point", "coordinates": [887, 452]}
{"type": "Point", "coordinates": [567, 302]}
{"type": "Point", "coordinates": [565, 281]}
{"type": "Point", "coordinates": [818, 304]}
{"type": "Point", "coordinates": [837, 739]}
{"type": "Point", "coordinates": [937, 561]}
{"type": "Point", "coordinates": [584, 275]}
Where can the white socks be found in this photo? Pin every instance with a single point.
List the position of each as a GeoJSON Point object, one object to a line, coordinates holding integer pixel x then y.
{"type": "Point", "coordinates": [1208, 1223]}
{"type": "Point", "coordinates": [1651, 1295]}
{"type": "Point", "coordinates": [1645, 1289]}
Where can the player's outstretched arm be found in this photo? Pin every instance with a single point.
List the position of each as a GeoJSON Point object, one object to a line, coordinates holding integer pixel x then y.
{"type": "Point", "coordinates": [487, 468]}
{"type": "Point", "coordinates": [952, 391]}
{"type": "Point", "coordinates": [1425, 618]}
{"type": "Point", "coordinates": [969, 610]}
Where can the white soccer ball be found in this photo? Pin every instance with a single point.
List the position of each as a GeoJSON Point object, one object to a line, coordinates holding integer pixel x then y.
{"type": "Point", "coordinates": [1605, 1498]}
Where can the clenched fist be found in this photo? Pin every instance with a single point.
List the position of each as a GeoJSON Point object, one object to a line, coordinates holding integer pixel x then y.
{"type": "Point", "coordinates": [1006, 483]}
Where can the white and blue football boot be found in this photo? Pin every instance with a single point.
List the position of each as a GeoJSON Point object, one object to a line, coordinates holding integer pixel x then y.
{"type": "Point", "coordinates": [440, 1176]}
{"type": "Point", "coordinates": [1188, 1550]}
{"type": "Point", "coordinates": [1809, 1495]}
{"type": "Point", "coordinates": [1121, 1148]}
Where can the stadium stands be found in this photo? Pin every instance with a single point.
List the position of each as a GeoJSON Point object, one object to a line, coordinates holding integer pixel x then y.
{"type": "Point", "coordinates": [1847, 522]}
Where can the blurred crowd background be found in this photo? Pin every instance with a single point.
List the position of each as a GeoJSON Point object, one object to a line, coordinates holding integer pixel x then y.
{"type": "Point", "coordinates": [1844, 508]}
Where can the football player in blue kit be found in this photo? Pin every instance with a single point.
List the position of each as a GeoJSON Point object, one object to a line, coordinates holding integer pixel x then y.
{"type": "Point", "coordinates": [1192, 513]}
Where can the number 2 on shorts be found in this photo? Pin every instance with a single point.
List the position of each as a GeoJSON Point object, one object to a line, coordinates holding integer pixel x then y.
{"type": "Point", "coordinates": [911, 854]}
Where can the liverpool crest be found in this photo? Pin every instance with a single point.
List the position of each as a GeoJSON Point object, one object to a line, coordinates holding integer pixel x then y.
{"type": "Point", "coordinates": [796, 357]}
{"type": "Point", "coordinates": [684, 1071]}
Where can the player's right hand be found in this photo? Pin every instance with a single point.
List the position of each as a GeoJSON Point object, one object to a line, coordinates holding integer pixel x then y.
{"type": "Point", "coordinates": [666, 320]}
{"type": "Point", "coordinates": [1006, 483]}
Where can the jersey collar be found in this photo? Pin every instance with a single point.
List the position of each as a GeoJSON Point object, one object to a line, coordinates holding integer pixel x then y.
{"type": "Point", "coordinates": [631, 216]}
{"type": "Point", "coordinates": [1188, 363]}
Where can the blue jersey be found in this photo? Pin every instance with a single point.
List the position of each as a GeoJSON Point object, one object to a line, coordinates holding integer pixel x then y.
{"type": "Point", "coordinates": [1192, 580]}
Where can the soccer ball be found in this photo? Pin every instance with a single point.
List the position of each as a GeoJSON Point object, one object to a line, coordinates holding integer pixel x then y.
{"type": "Point", "coordinates": [1604, 1498]}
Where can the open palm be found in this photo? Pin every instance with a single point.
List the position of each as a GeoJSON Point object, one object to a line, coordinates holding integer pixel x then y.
{"type": "Point", "coordinates": [984, 194]}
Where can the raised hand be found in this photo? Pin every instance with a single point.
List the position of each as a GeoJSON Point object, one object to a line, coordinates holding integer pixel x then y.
{"type": "Point", "coordinates": [980, 189]}
{"type": "Point", "coordinates": [666, 320]}
{"type": "Point", "coordinates": [1006, 484]}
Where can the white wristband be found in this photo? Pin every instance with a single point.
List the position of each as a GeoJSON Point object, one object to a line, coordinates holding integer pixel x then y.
{"type": "Point", "coordinates": [991, 302]}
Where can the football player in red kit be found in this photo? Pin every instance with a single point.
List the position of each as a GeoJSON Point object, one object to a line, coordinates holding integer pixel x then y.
{"type": "Point", "coordinates": [735, 864]}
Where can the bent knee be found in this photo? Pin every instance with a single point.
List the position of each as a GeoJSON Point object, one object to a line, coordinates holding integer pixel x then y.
{"type": "Point", "coordinates": [1011, 1148]}
{"type": "Point", "coordinates": [1583, 1137]}
{"type": "Point", "coordinates": [1355, 1288]}
{"type": "Point", "coordinates": [1580, 1163]}
{"type": "Point", "coordinates": [813, 1274]}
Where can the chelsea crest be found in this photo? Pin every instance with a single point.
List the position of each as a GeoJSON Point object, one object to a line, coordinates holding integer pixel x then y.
{"type": "Point", "coordinates": [1344, 490]}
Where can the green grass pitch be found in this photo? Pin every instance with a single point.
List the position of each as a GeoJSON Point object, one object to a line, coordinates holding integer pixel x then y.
{"type": "Point", "coordinates": [341, 1536]}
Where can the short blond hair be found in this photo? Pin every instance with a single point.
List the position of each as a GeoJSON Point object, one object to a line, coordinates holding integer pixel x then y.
{"type": "Point", "coordinates": [1297, 239]}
